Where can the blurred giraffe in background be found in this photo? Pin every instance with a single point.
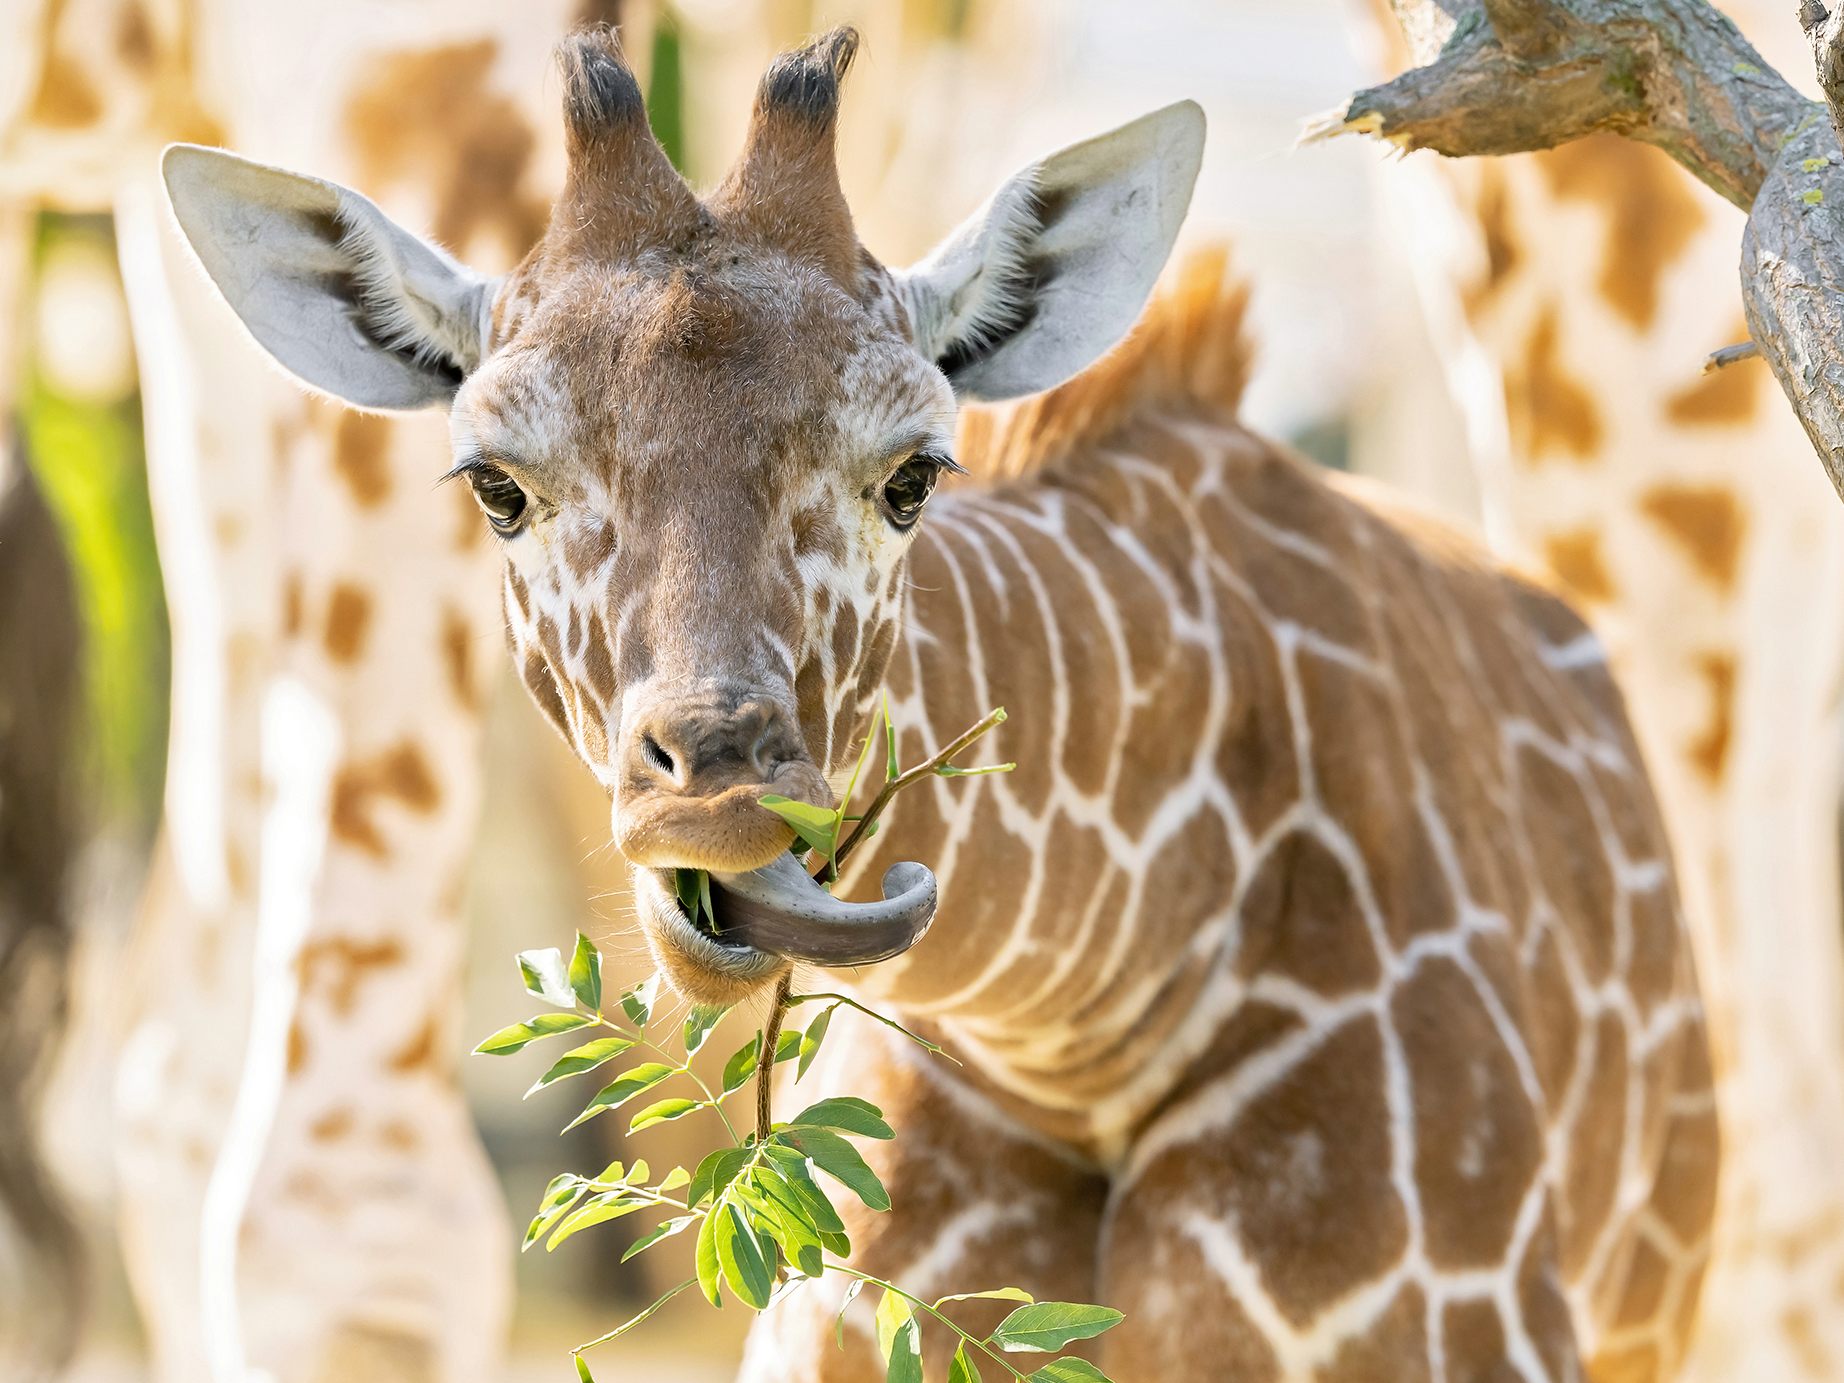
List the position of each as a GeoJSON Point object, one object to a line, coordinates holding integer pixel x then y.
{"type": "Point", "coordinates": [314, 1204]}
{"type": "Point", "coordinates": [1687, 514]}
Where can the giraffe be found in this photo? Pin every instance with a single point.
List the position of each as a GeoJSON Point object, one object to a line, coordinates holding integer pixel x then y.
{"type": "Point", "coordinates": [1684, 514]}
{"type": "Point", "coordinates": [1319, 980]}
{"type": "Point", "coordinates": [315, 1205]}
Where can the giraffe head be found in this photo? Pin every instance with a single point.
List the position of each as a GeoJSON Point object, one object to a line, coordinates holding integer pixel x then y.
{"type": "Point", "coordinates": [705, 430]}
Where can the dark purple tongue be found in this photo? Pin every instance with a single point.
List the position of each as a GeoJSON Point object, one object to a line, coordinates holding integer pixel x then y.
{"type": "Point", "coordinates": [779, 909]}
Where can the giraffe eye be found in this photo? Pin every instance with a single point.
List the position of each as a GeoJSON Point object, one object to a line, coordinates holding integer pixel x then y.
{"type": "Point", "coordinates": [906, 491]}
{"type": "Point", "coordinates": [500, 498]}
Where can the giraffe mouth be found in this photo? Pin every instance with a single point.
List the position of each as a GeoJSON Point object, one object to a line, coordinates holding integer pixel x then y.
{"type": "Point", "coordinates": [779, 910]}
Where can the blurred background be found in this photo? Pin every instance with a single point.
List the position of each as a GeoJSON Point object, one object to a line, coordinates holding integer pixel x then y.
{"type": "Point", "coordinates": [1348, 254]}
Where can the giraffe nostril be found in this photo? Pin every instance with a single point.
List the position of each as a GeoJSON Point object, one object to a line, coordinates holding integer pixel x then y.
{"type": "Point", "coordinates": [657, 756]}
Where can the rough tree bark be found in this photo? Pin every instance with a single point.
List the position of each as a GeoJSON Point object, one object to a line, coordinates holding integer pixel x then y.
{"type": "Point", "coordinates": [1511, 76]}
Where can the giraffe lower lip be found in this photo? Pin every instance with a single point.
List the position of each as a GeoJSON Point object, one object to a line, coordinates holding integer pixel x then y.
{"type": "Point", "coordinates": [778, 909]}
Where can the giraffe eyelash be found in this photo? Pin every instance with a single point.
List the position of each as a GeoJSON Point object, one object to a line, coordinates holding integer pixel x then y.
{"type": "Point", "coordinates": [472, 460]}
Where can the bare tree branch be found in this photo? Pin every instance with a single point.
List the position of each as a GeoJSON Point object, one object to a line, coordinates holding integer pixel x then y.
{"type": "Point", "coordinates": [1509, 76]}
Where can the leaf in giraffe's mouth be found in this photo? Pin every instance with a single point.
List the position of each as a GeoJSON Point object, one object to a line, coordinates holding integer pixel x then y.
{"type": "Point", "coordinates": [780, 910]}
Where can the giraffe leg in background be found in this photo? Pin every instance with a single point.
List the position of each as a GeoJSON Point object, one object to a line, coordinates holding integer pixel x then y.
{"type": "Point", "coordinates": [209, 464]}
{"type": "Point", "coordinates": [354, 1228]}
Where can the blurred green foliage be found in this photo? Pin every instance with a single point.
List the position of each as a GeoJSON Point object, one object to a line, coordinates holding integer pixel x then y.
{"type": "Point", "coordinates": [89, 462]}
{"type": "Point", "coordinates": [666, 91]}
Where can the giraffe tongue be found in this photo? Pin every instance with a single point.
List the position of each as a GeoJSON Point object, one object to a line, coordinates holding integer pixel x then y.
{"type": "Point", "coordinates": [778, 909]}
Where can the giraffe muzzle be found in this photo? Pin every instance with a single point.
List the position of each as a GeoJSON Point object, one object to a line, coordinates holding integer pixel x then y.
{"type": "Point", "coordinates": [780, 910]}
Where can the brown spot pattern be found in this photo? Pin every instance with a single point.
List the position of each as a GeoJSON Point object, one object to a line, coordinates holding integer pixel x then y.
{"type": "Point", "coordinates": [431, 115]}
{"type": "Point", "coordinates": [1651, 209]}
{"type": "Point", "coordinates": [1706, 521]}
{"type": "Point", "coordinates": [1550, 411]}
{"type": "Point", "coordinates": [1709, 751]}
{"type": "Point", "coordinates": [400, 774]}
{"type": "Point", "coordinates": [1576, 558]}
{"type": "Point", "coordinates": [348, 622]}
{"type": "Point", "coordinates": [361, 445]}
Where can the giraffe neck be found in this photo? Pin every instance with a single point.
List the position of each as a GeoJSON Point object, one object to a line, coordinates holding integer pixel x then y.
{"type": "Point", "coordinates": [1297, 775]}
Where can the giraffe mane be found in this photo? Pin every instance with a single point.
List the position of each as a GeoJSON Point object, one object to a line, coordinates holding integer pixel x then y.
{"type": "Point", "coordinates": [1188, 350]}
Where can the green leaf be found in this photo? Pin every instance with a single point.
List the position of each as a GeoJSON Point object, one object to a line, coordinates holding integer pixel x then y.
{"type": "Point", "coordinates": [1069, 1371]}
{"type": "Point", "coordinates": [638, 1173]}
{"type": "Point", "coordinates": [818, 827]}
{"type": "Point", "coordinates": [834, 1156]}
{"type": "Point", "coordinates": [673, 1180]}
{"type": "Point", "coordinates": [586, 973]}
{"type": "Point", "coordinates": [512, 1039]}
{"type": "Point", "coordinates": [545, 976]}
{"type": "Point", "coordinates": [623, 1088]}
{"type": "Point", "coordinates": [813, 1216]}
{"type": "Point", "coordinates": [638, 1002]}
{"type": "Point", "coordinates": [582, 1369]}
{"type": "Point", "coordinates": [887, 1021]}
{"type": "Point", "coordinates": [1048, 1326]}
{"type": "Point", "coordinates": [851, 1295]}
{"type": "Point", "coordinates": [891, 771]}
{"type": "Point", "coordinates": [996, 1294]}
{"type": "Point", "coordinates": [849, 1113]}
{"type": "Point", "coordinates": [579, 1059]}
{"type": "Point", "coordinates": [787, 1046]}
{"type": "Point", "coordinates": [665, 1230]}
{"type": "Point", "coordinates": [608, 1205]}
{"type": "Point", "coordinates": [710, 1272]}
{"type": "Point", "coordinates": [740, 1256]}
{"type": "Point", "coordinates": [663, 1112]}
{"type": "Point", "coordinates": [962, 1369]}
{"type": "Point", "coordinates": [698, 1025]}
{"type": "Point", "coordinates": [792, 1178]}
{"type": "Point", "coordinates": [810, 1039]}
{"type": "Point", "coordinates": [688, 886]}
{"type": "Point", "coordinates": [845, 802]}
{"type": "Point", "coordinates": [563, 1192]}
{"type": "Point", "coordinates": [899, 1339]}
{"type": "Point", "coordinates": [715, 1172]}
{"type": "Point", "coordinates": [784, 1221]}
{"type": "Point", "coordinates": [741, 1065]}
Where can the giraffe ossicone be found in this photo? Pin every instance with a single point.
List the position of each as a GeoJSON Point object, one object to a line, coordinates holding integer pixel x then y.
{"type": "Point", "coordinates": [1319, 978]}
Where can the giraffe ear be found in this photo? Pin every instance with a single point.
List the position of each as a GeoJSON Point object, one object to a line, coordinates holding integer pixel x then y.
{"type": "Point", "coordinates": [1053, 270]}
{"type": "Point", "coordinates": [345, 299]}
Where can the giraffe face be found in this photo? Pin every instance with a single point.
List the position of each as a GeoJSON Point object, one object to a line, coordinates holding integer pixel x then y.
{"type": "Point", "coordinates": [705, 470]}
{"type": "Point", "coordinates": [705, 430]}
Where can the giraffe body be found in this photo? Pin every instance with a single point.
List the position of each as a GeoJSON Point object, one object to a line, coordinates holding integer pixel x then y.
{"type": "Point", "coordinates": [1316, 1036]}
{"type": "Point", "coordinates": [1319, 977]}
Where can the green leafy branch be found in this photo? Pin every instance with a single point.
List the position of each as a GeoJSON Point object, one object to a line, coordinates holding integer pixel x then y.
{"type": "Point", "coordinates": [764, 1219]}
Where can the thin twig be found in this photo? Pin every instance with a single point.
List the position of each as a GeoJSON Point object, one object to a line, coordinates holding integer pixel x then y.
{"type": "Point", "coordinates": [1729, 355]}
{"type": "Point", "coordinates": [927, 768]}
{"type": "Point", "coordinates": [765, 1059]}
